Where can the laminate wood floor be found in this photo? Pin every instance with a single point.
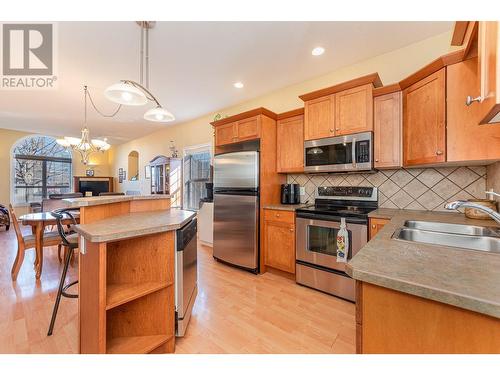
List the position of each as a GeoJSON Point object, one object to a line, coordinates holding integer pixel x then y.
{"type": "Point", "coordinates": [235, 311]}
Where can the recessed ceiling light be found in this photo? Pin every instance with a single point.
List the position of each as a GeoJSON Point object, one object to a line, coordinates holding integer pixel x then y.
{"type": "Point", "coordinates": [318, 51]}
{"type": "Point", "coordinates": [238, 85]}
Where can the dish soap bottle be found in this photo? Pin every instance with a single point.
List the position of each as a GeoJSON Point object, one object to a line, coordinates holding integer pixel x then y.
{"type": "Point", "coordinates": [342, 242]}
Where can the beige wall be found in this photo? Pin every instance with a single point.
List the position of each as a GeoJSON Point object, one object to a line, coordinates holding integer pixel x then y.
{"type": "Point", "coordinates": [392, 67]}
{"type": "Point", "coordinates": [99, 162]}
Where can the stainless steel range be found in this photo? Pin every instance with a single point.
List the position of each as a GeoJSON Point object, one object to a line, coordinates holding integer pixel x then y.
{"type": "Point", "coordinates": [316, 242]}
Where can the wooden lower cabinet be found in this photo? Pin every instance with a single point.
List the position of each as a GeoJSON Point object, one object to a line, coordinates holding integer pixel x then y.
{"type": "Point", "coordinates": [424, 121]}
{"type": "Point", "coordinates": [392, 322]}
{"type": "Point", "coordinates": [279, 240]}
{"type": "Point", "coordinates": [376, 225]}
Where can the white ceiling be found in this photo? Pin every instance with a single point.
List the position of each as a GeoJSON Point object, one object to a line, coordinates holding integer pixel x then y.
{"type": "Point", "coordinates": [193, 67]}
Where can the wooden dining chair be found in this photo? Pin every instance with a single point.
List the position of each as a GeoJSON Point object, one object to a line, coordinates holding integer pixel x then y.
{"type": "Point", "coordinates": [26, 242]}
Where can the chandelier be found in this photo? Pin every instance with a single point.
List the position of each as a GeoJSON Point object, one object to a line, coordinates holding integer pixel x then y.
{"type": "Point", "coordinates": [128, 92]}
{"type": "Point", "coordinates": [84, 145]}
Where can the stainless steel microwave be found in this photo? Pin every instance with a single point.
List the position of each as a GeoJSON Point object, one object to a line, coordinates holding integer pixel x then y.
{"type": "Point", "coordinates": [346, 153]}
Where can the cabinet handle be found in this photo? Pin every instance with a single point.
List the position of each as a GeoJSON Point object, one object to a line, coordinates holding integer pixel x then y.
{"type": "Point", "coordinates": [337, 129]}
{"type": "Point", "coordinates": [292, 229]}
{"type": "Point", "coordinates": [471, 100]}
{"type": "Point", "coordinates": [277, 215]}
{"type": "Point", "coordinates": [331, 130]}
{"type": "Point", "coordinates": [373, 226]}
{"type": "Point", "coordinates": [376, 160]}
{"type": "Point", "coordinates": [439, 152]}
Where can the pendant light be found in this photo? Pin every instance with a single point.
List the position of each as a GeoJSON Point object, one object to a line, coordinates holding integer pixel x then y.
{"type": "Point", "coordinates": [84, 145]}
{"type": "Point", "coordinates": [128, 92]}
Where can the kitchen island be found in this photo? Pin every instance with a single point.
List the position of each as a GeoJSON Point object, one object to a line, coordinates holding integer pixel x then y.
{"type": "Point", "coordinates": [126, 274]}
{"type": "Point", "coordinates": [421, 298]}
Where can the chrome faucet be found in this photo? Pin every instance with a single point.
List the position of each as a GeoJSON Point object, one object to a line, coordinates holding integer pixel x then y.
{"type": "Point", "coordinates": [492, 213]}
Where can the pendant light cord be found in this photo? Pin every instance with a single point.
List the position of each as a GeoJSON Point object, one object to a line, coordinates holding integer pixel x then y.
{"type": "Point", "coordinates": [87, 93]}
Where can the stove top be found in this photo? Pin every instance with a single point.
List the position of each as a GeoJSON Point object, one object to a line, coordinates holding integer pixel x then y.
{"type": "Point", "coordinates": [334, 202]}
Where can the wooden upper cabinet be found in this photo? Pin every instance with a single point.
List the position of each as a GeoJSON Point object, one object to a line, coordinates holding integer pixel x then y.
{"type": "Point", "coordinates": [345, 108]}
{"type": "Point", "coordinates": [489, 71]}
{"type": "Point", "coordinates": [248, 128]}
{"type": "Point", "coordinates": [241, 127]}
{"type": "Point", "coordinates": [424, 121]}
{"type": "Point", "coordinates": [354, 110]}
{"type": "Point", "coordinates": [466, 139]}
{"type": "Point", "coordinates": [319, 118]}
{"type": "Point", "coordinates": [290, 144]}
{"type": "Point", "coordinates": [226, 134]}
{"type": "Point", "coordinates": [387, 124]}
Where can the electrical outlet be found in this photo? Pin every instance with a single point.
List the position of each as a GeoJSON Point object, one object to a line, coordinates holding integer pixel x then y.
{"type": "Point", "coordinates": [302, 190]}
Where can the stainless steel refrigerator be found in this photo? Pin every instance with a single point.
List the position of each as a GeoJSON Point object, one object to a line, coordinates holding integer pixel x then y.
{"type": "Point", "coordinates": [236, 209]}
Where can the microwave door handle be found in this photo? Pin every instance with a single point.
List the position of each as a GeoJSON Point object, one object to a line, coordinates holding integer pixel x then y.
{"type": "Point", "coordinates": [353, 152]}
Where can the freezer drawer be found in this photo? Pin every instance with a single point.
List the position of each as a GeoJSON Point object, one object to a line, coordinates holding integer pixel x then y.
{"type": "Point", "coordinates": [236, 229]}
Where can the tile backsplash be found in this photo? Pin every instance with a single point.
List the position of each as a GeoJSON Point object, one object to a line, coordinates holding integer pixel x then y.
{"type": "Point", "coordinates": [415, 189]}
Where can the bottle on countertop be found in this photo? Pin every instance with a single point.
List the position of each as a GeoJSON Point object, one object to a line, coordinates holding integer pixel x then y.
{"type": "Point", "coordinates": [342, 242]}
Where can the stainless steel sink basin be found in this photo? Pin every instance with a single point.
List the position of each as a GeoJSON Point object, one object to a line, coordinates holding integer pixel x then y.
{"type": "Point", "coordinates": [470, 242]}
{"type": "Point", "coordinates": [470, 230]}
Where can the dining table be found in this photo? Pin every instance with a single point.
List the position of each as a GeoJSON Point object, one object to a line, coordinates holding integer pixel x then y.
{"type": "Point", "coordinates": [38, 222]}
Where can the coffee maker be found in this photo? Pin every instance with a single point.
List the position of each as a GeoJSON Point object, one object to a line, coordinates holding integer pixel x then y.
{"type": "Point", "coordinates": [290, 194]}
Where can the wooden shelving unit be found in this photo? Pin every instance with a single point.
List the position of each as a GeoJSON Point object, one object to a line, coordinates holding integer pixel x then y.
{"type": "Point", "coordinates": [127, 298]}
{"type": "Point", "coordinates": [118, 294]}
{"type": "Point", "coordinates": [136, 344]}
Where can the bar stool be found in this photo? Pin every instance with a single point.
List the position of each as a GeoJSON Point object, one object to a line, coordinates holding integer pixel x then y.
{"type": "Point", "coordinates": [70, 242]}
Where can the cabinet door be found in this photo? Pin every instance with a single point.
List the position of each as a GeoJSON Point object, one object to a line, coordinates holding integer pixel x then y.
{"type": "Point", "coordinates": [424, 119]}
{"type": "Point", "coordinates": [290, 144]}
{"type": "Point", "coordinates": [319, 118]}
{"type": "Point", "coordinates": [280, 245]}
{"type": "Point", "coordinates": [225, 134]}
{"type": "Point", "coordinates": [489, 69]}
{"type": "Point", "coordinates": [387, 122]}
{"type": "Point", "coordinates": [249, 128]}
{"type": "Point", "coordinates": [376, 225]}
{"type": "Point", "coordinates": [354, 110]}
{"type": "Point", "coordinates": [466, 140]}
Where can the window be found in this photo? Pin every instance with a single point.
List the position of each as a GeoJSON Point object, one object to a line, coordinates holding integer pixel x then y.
{"type": "Point", "coordinates": [40, 167]}
{"type": "Point", "coordinates": [197, 162]}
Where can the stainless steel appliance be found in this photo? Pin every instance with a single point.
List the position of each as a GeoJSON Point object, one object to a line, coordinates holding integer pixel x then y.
{"type": "Point", "coordinates": [236, 209]}
{"type": "Point", "coordinates": [290, 193]}
{"type": "Point", "coordinates": [186, 275]}
{"type": "Point", "coordinates": [346, 153]}
{"type": "Point", "coordinates": [316, 232]}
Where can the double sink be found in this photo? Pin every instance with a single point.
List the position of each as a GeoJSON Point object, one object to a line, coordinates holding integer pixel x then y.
{"type": "Point", "coordinates": [467, 237]}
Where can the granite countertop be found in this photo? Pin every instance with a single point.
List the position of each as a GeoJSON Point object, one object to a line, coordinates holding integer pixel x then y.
{"type": "Point", "coordinates": [384, 213]}
{"type": "Point", "coordinates": [134, 225]}
{"type": "Point", "coordinates": [107, 199]}
{"type": "Point", "coordinates": [285, 207]}
{"type": "Point", "coordinates": [464, 278]}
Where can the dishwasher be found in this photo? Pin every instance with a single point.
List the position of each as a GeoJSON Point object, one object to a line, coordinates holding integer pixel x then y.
{"type": "Point", "coordinates": [186, 275]}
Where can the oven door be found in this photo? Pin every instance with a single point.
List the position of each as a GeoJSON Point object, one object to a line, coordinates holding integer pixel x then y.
{"type": "Point", "coordinates": [339, 154]}
{"type": "Point", "coordinates": [317, 241]}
